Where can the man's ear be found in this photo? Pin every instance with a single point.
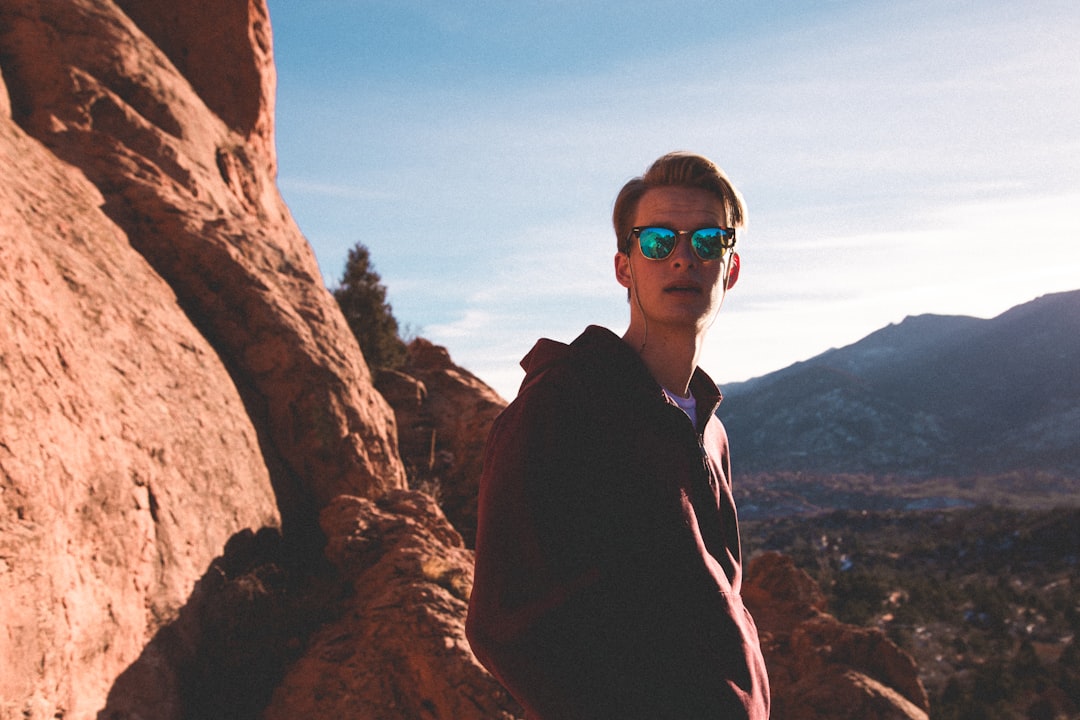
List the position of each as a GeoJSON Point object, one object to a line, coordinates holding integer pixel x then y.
{"type": "Point", "coordinates": [622, 270]}
{"type": "Point", "coordinates": [733, 271]}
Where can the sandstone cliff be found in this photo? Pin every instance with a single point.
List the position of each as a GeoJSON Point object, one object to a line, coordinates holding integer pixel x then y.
{"type": "Point", "coordinates": [170, 363]}
{"type": "Point", "coordinates": [202, 503]}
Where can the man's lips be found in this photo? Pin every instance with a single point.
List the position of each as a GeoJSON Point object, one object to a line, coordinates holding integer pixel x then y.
{"type": "Point", "coordinates": [683, 288]}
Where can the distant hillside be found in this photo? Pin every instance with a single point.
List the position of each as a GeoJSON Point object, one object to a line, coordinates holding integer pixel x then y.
{"type": "Point", "coordinates": [931, 395]}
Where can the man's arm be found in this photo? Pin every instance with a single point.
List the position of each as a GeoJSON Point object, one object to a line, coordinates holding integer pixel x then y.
{"type": "Point", "coordinates": [519, 623]}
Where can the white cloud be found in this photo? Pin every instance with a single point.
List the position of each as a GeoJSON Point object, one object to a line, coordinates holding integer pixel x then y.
{"type": "Point", "coordinates": [295, 187]}
{"type": "Point", "coordinates": [469, 324]}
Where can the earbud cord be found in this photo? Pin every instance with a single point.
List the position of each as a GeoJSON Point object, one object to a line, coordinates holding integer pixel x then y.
{"type": "Point", "coordinates": [645, 318]}
{"type": "Point", "coordinates": [723, 291]}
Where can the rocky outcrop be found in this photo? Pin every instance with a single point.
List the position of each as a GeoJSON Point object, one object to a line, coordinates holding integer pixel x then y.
{"type": "Point", "coordinates": [247, 619]}
{"type": "Point", "coordinates": [398, 649]}
{"type": "Point", "coordinates": [127, 458]}
{"type": "Point", "coordinates": [172, 370]}
{"type": "Point", "coordinates": [174, 126]}
{"type": "Point", "coordinates": [820, 668]}
{"type": "Point", "coordinates": [444, 413]}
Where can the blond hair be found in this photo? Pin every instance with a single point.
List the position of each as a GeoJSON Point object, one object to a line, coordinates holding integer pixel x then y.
{"type": "Point", "coordinates": [676, 169]}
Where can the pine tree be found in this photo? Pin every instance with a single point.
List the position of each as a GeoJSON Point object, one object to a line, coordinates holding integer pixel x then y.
{"type": "Point", "coordinates": [362, 298]}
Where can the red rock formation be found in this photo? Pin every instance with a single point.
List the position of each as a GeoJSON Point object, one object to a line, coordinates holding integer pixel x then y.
{"type": "Point", "coordinates": [169, 351]}
{"type": "Point", "coordinates": [399, 649]}
{"type": "Point", "coordinates": [178, 139]}
{"type": "Point", "coordinates": [127, 458]}
{"type": "Point", "coordinates": [819, 668]}
{"type": "Point", "coordinates": [444, 413]}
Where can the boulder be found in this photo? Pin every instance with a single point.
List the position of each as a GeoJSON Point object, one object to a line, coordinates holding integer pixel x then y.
{"type": "Point", "coordinates": [820, 668]}
{"type": "Point", "coordinates": [398, 649]}
{"type": "Point", "coordinates": [443, 413]}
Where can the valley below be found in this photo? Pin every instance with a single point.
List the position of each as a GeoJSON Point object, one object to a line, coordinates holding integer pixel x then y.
{"type": "Point", "coordinates": [976, 578]}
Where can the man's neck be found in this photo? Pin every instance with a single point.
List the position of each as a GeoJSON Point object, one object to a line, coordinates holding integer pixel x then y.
{"type": "Point", "coordinates": [670, 355]}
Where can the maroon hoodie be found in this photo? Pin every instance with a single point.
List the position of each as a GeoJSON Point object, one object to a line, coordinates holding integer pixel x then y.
{"type": "Point", "coordinates": [608, 564]}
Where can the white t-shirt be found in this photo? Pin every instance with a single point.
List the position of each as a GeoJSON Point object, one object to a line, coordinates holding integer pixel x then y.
{"type": "Point", "coordinates": [688, 405]}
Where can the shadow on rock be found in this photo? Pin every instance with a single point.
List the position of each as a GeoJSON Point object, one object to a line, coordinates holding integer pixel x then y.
{"type": "Point", "coordinates": [370, 623]}
{"type": "Point", "coordinates": [247, 619]}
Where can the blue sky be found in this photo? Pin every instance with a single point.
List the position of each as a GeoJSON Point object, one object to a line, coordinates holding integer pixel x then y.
{"type": "Point", "coordinates": [897, 158]}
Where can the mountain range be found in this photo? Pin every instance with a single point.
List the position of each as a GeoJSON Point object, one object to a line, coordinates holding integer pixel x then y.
{"type": "Point", "coordinates": [932, 395]}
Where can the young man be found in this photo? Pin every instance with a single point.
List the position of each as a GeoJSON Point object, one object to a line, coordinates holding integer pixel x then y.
{"type": "Point", "coordinates": [608, 563]}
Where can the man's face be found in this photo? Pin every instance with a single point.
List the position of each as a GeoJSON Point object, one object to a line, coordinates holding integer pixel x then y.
{"type": "Point", "coordinates": [681, 291]}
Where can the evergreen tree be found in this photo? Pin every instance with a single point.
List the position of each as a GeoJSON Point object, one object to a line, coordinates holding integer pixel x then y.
{"type": "Point", "coordinates": [362, 298]}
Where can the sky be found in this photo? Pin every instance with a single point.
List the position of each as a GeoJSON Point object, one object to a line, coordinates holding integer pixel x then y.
{"type": "Point", "coordinates": [897, 158]}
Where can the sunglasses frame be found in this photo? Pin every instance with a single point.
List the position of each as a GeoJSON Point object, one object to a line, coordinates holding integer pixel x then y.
{"type": "Point", "coordinates": [724, 246]}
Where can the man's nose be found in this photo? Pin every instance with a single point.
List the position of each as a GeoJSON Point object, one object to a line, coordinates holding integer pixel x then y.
{"type": "Point", "coordinates": [683, 252]}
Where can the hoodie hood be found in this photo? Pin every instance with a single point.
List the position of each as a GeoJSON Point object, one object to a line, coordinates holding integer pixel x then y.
{"type": "Point", "coordinates": [596, 345]}
{"type": "Point", "coordinates": [603, 355]}
{"type": "Point", "coordinates": [545, 353]}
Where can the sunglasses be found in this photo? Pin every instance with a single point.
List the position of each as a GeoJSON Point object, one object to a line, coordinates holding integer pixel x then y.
{"type": "Point", "coordinates": [709, 243]}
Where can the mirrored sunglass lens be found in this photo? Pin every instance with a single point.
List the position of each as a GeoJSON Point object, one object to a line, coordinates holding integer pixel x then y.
{"type": "Point", "coordinates": [656, 243]}
{"type": "Point", "coordinates": [710, 243]}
